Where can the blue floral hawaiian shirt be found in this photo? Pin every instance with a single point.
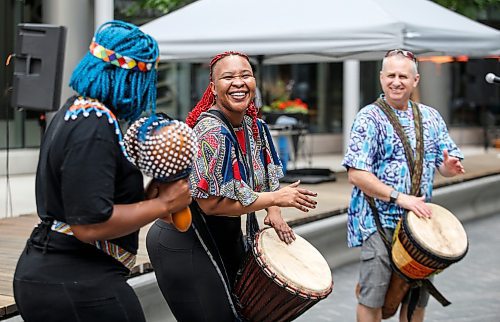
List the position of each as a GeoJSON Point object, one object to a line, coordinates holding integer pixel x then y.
{"type": "Point", "coordinates": [375, 147]}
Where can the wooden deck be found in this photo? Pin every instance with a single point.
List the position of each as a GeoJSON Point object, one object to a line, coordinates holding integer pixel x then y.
{"type": "Point", "coordinates": [333, 197]}
{"type": "Point", "coordinates": [13, 235]}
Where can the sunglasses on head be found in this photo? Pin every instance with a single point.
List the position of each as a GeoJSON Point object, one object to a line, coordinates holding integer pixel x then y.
{"type": "Point", "coordinates": [406, 53]}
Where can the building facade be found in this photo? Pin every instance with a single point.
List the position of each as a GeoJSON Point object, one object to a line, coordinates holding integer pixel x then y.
{"type": "Point", "coordinates": [456, 88]}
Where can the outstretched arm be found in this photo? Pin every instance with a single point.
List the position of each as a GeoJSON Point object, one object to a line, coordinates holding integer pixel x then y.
{"type": "Point", "coordinates": [289, 196]}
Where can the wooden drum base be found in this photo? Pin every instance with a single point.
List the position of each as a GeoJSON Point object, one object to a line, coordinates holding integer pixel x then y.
{"type": "Point", "coordinates": [397, 290]}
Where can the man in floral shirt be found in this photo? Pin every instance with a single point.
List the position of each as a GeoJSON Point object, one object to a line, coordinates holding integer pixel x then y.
{"type": "Point", "coordinates": [377, 167]}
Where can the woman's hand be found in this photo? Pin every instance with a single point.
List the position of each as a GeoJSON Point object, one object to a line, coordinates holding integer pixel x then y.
{"type": "Point", "coordinates": [275, 220]}
{"type": "Point", "coordinates": [175, 195]}
{"type": "Point", "coordinates": [293, 196]}
{"type": "Point", "coordinates": [152, 189]}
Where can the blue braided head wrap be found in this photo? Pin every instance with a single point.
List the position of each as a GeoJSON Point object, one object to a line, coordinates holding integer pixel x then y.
{"type": "Point", "coordinates": [127, 92]}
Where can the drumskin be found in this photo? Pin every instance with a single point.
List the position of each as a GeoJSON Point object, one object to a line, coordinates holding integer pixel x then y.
{"type": "Point", "coordinates": [280, 282]}
{"type": "Point", "coordinates": [426, 246]}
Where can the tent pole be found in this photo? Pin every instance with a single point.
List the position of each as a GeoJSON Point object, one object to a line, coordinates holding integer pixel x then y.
{"type": "Point", "coordinates": [350, 97]}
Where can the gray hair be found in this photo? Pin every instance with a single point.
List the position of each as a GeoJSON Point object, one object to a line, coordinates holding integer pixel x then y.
{"type": "Point", "coordinates": [413, 63]}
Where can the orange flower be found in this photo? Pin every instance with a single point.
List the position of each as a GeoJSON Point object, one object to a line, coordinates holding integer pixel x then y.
{"type": "Point", "coordinates": [290, 106]}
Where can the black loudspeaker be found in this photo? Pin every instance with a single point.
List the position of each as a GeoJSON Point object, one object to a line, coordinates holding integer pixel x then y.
{"type": "Point", "coordinates": [38, 68]}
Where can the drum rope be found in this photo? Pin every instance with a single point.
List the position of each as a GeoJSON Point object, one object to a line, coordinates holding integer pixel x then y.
{"type": "Point", "coordinates": [415, 162]}
{"type": "Point", "coordinates": [415, 159]}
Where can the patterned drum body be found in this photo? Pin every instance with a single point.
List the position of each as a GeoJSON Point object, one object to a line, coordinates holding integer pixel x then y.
{"type": "Point", "coordinates": [424, 246]}
{"type": "Point", "coordinates": [280, 282]}
{"type": "Point", "coordinates": [420, 248]}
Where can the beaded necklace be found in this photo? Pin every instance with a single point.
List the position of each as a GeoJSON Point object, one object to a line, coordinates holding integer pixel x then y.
{"type": "Point", "coordinates": [84, 106]}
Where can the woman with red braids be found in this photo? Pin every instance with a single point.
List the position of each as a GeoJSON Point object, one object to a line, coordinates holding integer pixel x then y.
{"type": "Point", "coordinates": [236, 172]}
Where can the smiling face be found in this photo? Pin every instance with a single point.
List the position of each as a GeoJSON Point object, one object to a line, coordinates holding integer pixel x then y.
{"type": "Point", "coordinates": [398, 78]}
{"type": "Point", "coordinates": [233, 84]}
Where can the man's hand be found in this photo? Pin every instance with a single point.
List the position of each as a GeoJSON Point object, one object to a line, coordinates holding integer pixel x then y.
{"type": "Point", "coordinates": [415, 204]}
{"type": "Point", "coordinates": [451, 165]}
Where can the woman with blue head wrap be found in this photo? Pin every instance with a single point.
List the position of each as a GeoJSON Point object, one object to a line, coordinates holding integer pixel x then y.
{"type": "Point", "coordinates": [90, 197]}
{"type": "Point", "coordinates": [129, 89]}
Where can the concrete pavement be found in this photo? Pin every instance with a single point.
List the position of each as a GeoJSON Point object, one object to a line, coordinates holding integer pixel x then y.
{"type": "Point", "coordinates": [472, 285]}
{"type": "Point", "coordinates": [333, 197]}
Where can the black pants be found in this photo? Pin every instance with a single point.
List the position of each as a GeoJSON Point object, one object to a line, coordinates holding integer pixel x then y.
{"type": "Point", "coordinates": [187, 278]}
{"type": "Point", "coordinates": [66, 286]}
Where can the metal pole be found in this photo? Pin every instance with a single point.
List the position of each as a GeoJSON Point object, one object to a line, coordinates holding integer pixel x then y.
{"type": "Point", "coordinates": [350, 97]}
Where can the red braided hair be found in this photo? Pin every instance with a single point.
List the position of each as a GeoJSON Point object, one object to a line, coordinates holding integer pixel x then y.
{"type": "Point", "coordinates": [208, 98]}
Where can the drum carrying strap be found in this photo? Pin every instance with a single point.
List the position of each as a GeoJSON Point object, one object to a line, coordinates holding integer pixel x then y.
{"type": "Point", "coordinates": [203, 234]}
{"type": "Point", "coordinates": [415, 163]}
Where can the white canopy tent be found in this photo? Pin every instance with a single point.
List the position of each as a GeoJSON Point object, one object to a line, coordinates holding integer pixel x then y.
{"type": "Point", "coordinates": [295, 31]}
{"type": "Point", "coordinates": [291, 31]}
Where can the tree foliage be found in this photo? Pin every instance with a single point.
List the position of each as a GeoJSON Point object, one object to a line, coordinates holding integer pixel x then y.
{"type": "Point", "coordinates": [161, 6]}
{"type": "Point", "coordinates": [473, 9]}
{"type": "Point", "coordinates": [470, 8]}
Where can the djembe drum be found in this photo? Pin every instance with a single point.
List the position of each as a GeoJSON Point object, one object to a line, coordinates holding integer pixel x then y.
{"type": "Point", "coordinates": [163, 149]}
{"type": "Point", "coordinates": [279, 282]}
{"type": "Point", "coordinates": [422, 247]}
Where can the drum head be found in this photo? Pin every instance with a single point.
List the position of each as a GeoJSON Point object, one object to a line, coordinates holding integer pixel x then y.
{"type": "Point", "coordinates": [299, 264]}
{"type": "Point", "coordinates": [442, 235]}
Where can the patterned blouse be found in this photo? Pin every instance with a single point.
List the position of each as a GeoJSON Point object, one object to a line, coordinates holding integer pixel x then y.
{"type": "Point", "coordinates": [218, 172]}
{"type": "Point", "coordinates": [375, 147]}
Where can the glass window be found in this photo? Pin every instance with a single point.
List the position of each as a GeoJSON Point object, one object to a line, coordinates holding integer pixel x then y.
{"type": "Point", "coordinates": [369, 81]}
{"type": "Point", "coordinates": [474, 101]}
{"type": "Point", "coordinates": [166, 90]}
{"type": "Point", "coordinates": [331, 122]}
{"type": "Point", "coordinates": [320, 86]}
